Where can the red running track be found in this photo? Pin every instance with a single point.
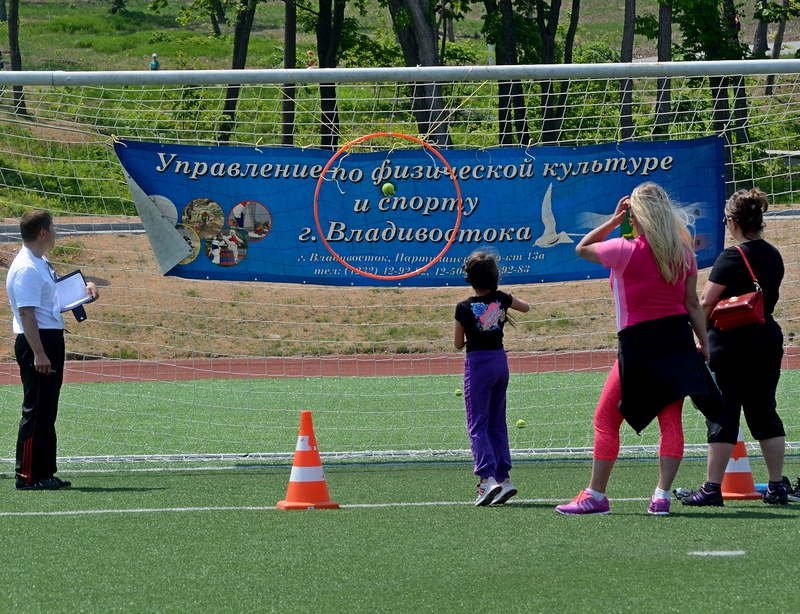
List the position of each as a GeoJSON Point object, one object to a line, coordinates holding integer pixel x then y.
{"type": "Point", "coordinates": [329, 366]}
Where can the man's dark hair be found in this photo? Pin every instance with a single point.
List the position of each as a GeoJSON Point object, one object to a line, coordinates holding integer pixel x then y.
{"type": "Point", "coordinates": [32, 223]}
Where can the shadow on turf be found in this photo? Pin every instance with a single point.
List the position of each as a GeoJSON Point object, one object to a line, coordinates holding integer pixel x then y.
{"type": "Point", "coordinates": [776, 513]}
{"type": "Point", "coordinates": [110, 489]}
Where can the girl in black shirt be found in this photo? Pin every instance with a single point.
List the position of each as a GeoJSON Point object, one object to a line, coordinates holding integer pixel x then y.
{"type": "Point", "coordinates": [479, 322]}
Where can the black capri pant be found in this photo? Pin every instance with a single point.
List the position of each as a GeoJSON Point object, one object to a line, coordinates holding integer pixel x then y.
{"type": "Point", "coordinates": [747, 364]}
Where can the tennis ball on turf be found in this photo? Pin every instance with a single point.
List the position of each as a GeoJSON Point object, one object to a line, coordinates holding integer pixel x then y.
{"type": "Point", "coordinates": [521, 424]}
{"type": "Point", "coordinates": [459, 392]}
{"type": "Point", "coordinates": [387, 189]}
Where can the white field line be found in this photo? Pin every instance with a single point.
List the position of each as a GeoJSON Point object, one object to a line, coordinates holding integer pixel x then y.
{"type": "Point", "coordinates": [261, 508]}
{"type": "Point", "coordinates": [717, 553]}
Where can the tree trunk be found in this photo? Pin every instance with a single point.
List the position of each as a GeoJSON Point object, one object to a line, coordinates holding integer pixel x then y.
{"type": "Point", "coordinates": [215, 25]}
{"type": "Point", "coordinates": [547, 23]}
{"type": "Point", "coordinates": [289, 61]}
{"type": "Point", "coordinates": [241, 40]}
{"type": "Point", "coordinates": [664, 84]}
{"type": "Point", "coordinates": [776, 46]}
{"type": "Point", "coordinates": [626, 85]}
{"type": "Point", "coordinates": [3, 14]}
{"type": "Point", "coordinates": [551, 128]}
{"type": "Point", "coordinates": [330, 21]}
{"type": "Point", "coordinates": [418, 42]}
{"type": "Point", "coordinates": [760, 38]}
{"type": "Point", "coordinates": [15, 55]}
{"type": "Point", "coordinates": [219, 10]}
{"type": "Point", "coordinates": [739, 92]}
{"type": "Point", "coordinates": [511, 99]}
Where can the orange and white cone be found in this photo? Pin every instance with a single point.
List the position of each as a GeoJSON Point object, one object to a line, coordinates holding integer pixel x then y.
{"type": "Point", "coordinates": [738, 480]}
{"type": "Point", "coordinates": [307, 487]}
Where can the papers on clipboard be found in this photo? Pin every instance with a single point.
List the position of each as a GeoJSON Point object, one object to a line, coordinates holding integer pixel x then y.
{"type": "Point", "coordinates": [71, 290]}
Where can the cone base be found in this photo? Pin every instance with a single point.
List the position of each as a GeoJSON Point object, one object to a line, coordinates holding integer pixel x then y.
{"type": "Point", "coordinates": [739, 496]}
{"type": "Point", "coordinates": [298, 505]}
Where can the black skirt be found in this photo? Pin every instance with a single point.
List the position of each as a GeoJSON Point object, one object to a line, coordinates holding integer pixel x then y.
{"type": "Point", "coordinates": [659, 364]}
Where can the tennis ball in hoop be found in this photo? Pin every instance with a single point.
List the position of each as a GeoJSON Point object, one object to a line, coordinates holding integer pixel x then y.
{"type": "Point", "coordinates": [521, 424]}
{"type": "Point", "coordinates": [387, 189]}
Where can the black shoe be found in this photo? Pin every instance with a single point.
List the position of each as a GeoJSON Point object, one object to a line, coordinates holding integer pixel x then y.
{"type": "Point", "coordinates": [793, 494]}
{"type": "Point", "coordinates": [63, 483]}
{"type": "Point", "coordinates": [705, 496]}
{"type": "Point", "coordinates": [776, 494]}
{"type": "Point", "coordinates": [45, 484]}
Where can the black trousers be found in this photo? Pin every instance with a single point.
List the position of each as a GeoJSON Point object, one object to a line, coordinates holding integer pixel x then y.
{"type": "Point", "coordinates": [36, 440]}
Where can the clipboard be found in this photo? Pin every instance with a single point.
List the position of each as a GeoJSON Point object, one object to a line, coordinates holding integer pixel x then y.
{"type": "Point", "coordinates": [71, 290]}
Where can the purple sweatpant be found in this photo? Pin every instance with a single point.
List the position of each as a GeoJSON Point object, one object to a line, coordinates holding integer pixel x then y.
{"type": "Point", "coordinates": [485, 385]}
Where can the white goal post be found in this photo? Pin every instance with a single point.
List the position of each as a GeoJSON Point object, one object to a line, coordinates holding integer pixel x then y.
{"type": "Point", "coordinates": [170, 368]}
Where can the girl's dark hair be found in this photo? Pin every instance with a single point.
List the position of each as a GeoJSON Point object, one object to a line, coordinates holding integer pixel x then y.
{"type": "Point", "coordinates": [480, 271]}
{"type": "Point", "coordinates": [747, 207]}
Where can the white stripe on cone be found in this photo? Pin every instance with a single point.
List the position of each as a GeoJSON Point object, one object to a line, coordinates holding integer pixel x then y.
{"type": "Point", "coordinates": [741, 465]}
{"type": "Point", "coordinates": [307, 474]}
{"type": "Point", "coordinates": [302, 444]}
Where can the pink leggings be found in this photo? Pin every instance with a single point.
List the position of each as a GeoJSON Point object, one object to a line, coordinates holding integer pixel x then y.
{"type": "Point", "coordinates": [608, 420]}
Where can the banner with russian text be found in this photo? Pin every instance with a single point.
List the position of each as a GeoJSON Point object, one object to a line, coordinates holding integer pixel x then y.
{"type": "Point", "coordinates": [248, 214]}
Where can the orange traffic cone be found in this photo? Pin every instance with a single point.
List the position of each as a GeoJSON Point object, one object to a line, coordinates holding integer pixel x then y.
{"type": "Point", "coordinates": [307, 487]}
{"type": "Point", "coordinates": [738, 480]}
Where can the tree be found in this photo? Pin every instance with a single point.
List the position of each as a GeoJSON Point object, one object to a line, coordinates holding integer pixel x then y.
{"type": "Point", "coordinates": [553, 116]}
{"type": "Point", "coordinates": [511, 98]}
{"type": "Point", "coordinates": [788, 9]}
{"type": "Point", "coordinates": [329, 34]}
{"type": "Point", "coordinates": [547, 23]}
{"type": "Point", "coordinates": [760, 37]}
{"type": "Point", "coordinates": [241, 41]}
{"type": "Point", "coordinates": [415, 26]}
{"type": "Point", "coordinates": [664, 100]}
{"type": "Point", "coordinates": [289, 61]}
{"type": "Point", "coordinates": [626, 85]}
{"type": "Point", "coordinates": [15, 55]}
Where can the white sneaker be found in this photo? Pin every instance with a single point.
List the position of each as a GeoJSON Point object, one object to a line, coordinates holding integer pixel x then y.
{"type": "Point", "coordinates": [487, 491]}
{"type": "Point", "coordinates": [507, 490]}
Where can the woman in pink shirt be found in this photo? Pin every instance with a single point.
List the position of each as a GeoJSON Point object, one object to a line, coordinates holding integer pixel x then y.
{"type": "Point", "coordinates": [654, 280]}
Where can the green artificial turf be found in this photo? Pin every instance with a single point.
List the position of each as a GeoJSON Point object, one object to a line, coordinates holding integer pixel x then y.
{"type": "Point", "coordinates": [351, 414]}
{"type": "Point", "coordinates": [407, 539]}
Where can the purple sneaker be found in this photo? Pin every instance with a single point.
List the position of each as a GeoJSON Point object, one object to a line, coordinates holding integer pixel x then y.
{"type": "Point", "coordinates": [584, 503]}
{"type": "Point", "coordinates": [659, 507]}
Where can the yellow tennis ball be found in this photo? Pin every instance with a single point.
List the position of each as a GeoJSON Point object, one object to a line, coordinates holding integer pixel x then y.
{"type": "Point", "coordinates": [459, 392]}
{"type": "Point", "coordinates": [521, 424]}
{"type": "Point", "coordinates": [387, 189]}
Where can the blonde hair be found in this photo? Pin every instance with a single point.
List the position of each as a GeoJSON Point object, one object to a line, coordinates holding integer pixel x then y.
{"type": "Point", "coordinates": [666, 229]}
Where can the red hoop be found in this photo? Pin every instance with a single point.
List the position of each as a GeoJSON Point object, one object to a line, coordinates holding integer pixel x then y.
{"type": "Point", "coordinates": [343, 150]}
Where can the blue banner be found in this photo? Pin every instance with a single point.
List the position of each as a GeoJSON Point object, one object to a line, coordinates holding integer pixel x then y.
{"type": "Point", "coordinates": [249, 214]}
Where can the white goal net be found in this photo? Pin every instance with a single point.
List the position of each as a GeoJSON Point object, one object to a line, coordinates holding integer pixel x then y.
{"type": "Point", "coordinates": [168, 367]}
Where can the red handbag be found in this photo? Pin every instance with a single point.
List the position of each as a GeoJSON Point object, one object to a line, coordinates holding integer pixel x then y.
{"type": "Point", "coordinates": [737, 311]}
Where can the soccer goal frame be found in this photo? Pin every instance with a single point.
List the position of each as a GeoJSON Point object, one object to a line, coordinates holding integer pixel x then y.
{"type": "Point", "coordinates": [169, 368]}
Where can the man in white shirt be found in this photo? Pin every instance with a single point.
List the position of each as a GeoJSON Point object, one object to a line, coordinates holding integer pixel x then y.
{"type": "Point", "coordinates": [40, 352]}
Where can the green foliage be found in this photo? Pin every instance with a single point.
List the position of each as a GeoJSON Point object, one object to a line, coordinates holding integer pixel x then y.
{"type": "Point", "coordinates": [704, 31]}
{"type": "Point", "coordinates": [773, 12]}
{"type": "Point", "coordinates": [529, 41]}
{"type": "Point", "coordinates": [379, 49]}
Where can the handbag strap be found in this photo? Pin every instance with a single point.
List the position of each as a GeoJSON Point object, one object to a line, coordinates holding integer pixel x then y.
{"type": "Point", "coordinates": [749, 268]}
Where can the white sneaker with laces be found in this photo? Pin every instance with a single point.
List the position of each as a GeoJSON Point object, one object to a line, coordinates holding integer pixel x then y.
{"type": "Point", "coordinates": [507, 490]}
{"type": "Point", "coordinates": [487, 491]}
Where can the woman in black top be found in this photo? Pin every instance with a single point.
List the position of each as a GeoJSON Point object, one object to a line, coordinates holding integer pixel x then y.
{"type": "Point", "coordinates": [746, 360]}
